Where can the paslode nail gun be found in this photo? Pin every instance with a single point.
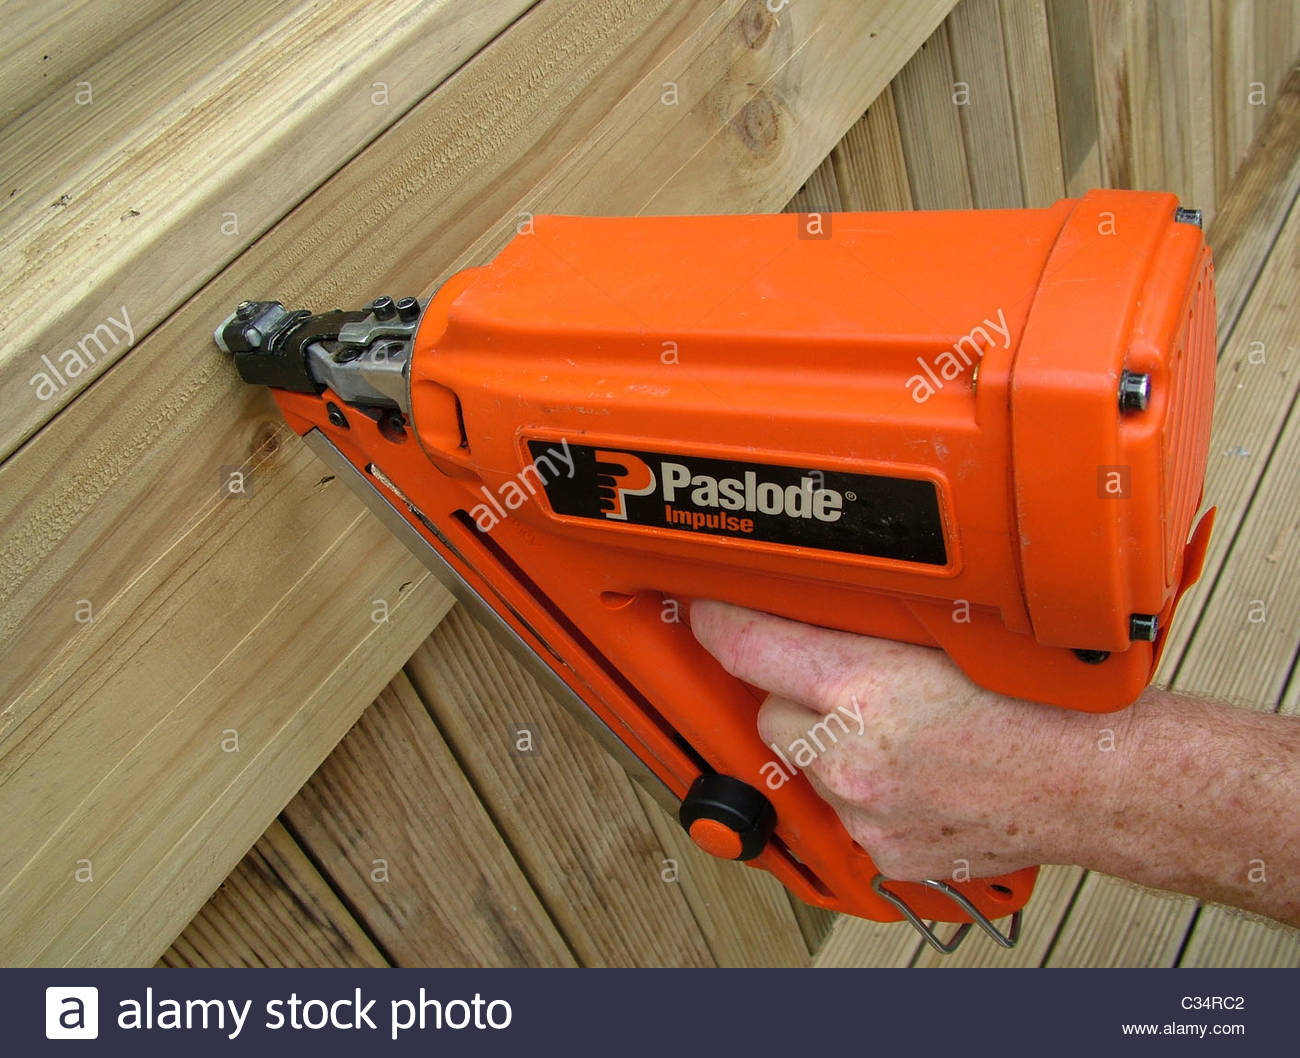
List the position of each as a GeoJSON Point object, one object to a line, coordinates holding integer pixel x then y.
{"type": "Point", "coordinates": [983, 431]}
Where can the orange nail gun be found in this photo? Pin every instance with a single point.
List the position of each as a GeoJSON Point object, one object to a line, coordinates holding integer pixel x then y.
{"type": "Point", "coordinates": [983, 431]}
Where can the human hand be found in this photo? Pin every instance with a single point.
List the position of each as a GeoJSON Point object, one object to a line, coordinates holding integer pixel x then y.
{"type": "Point", "coordinates": [930, 773]}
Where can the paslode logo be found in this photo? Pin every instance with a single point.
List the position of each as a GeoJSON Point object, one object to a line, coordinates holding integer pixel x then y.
{"type": "Point", "coordinates": [619, 475]}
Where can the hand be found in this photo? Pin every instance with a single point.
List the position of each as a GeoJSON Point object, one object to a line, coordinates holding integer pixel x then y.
{"type": "Point", "coordinates": [931, 774]}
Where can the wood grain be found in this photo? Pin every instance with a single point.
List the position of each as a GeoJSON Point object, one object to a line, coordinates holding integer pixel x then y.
{"type": "Point", "coordinates": [870, 169]}
{"type": "Point", "coordinates": [569, 814]}
{"type": "Point", "coordinates": [275, 909]}
{"type": "Point", "coordinates": [1033, 101]}
{"type": "Point", "coordinates": [931, 130]}
{"type": "Point", "coordinates": [402, 834]}
{"type": "Point", "coordinates": [201, 133]}
{"type": "Point", "coordinates": [979, 65]}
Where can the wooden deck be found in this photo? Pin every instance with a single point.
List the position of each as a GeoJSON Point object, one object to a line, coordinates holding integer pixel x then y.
{"type": "Point", "coordinates": [492, 857]}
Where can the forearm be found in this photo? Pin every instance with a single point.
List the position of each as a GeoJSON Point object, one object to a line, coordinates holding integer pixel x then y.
{"type": "Point", "coordinates": [1199, 798]}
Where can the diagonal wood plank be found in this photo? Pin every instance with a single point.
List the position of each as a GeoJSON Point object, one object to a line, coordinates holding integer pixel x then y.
{"type": "Point", "coordinates": [744, 914]}
{"type": "Point", "coordinates": [200, 133]}
{"type": "Point", "coordinates": [275, 909]}
{"type": "Point", "coordinates": [1257, 379]}
{"type": "Point", "coordinates": [47, 46]}
{"type": "Point", "coordinates": [870, 170]}
{"type": "Point", "coordinates": [569, 814]}
{"type": "Point", "coordinates": [402, 834]}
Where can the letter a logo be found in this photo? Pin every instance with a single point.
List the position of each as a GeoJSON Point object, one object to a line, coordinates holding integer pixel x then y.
{"type": "Point", "coordinates": [619, 475]}
{"type": "Point", "coordinates": [71, 1013]}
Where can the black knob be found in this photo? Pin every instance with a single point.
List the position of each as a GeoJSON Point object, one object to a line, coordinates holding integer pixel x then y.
{"type": "Point", "coordinates": [726, 817]}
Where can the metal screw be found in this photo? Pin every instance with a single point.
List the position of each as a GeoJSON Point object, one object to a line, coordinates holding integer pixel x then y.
{"type": "Point", "coordinates": [1134, 391]}
{"type": "Point", "coordinates": [1143, 626]}
{"type": "Point", "coordinates": [408, 309]}
{"type": "Point", "coordinates": [336, 416]}
{"type": "Point", "coordinates": [1187, 216]}
{"type": "Point", "coordinates": [383, 308]}
{"type": "Point", "coordinates": [246, 310]}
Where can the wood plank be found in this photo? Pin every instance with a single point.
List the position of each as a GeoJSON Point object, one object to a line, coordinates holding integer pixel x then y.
{"type": "Point", "coordinates": [158, 769]}
{"type": "Point", "coordinates": [1225, 937]}
{"type": "Point", "coordinates": [275, 909]}
{"type": "Point", "coordinates": [744, 914]}
{"type": "Point", "coordinates": [1181, 40]}
{"type": "Point", "coordinates": [193, 145]}
{"type": "Point", "coordinates": [930, 129]}
{"type": "Point", "coordinates": [1250, 406]}
{"type": "Point", "coordinates": [404, 837]}
{"type": "Point", "coordinates": [870, 170]}
{"type": "Point", "coordinates": [116, 501]}
{"type": "Point", "coordinates": [1115, 104]}
{"type": "Point", "coordinates": [1151, 169]}
{"type": "Point", "coordinates": [979, 64]}
{"type": "Point", "coordinates": [1234, 70]}
{"type": "Point", "coordinates": [1191, 54]}
{"type": "Point", "coordinates": [46, 46]}
{"type": "Point", "coordinates": [1072, 64]}
{"type": "Point", "coordinates": [1116, 923]}
{"type": "Point", "coordinates": [1033, 101]}
{"type": "Point", "coordinates": [568, 812]}
{"type": "Point", "coordinates": [1253, 609]}
{"type": "Point", "coordinates": [857, 942]}
{"type": "Point", "coordinates": [816, 923]}
{"type": "Point", "coordinates": [1250, 218]}
{"type": "Point", "coordinates": [1275, 49]}
{"type": "Point", "coordinates": [819, 194]}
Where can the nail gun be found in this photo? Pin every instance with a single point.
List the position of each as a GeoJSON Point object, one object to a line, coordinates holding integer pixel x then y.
{"type": "Point", "coordinates": [982, 431]}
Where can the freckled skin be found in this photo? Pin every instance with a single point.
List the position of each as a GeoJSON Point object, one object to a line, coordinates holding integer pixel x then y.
{"type": "Point", "coordinates": [1191, 796]}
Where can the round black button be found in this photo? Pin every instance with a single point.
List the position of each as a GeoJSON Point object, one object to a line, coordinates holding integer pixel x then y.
{"type": "Point", "coordinates": [726, 817]}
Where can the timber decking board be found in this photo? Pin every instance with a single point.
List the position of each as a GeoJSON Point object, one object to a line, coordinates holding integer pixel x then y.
{"type": "Point", "coordinates": [1246, 225]}
{"type": "Point", "coordinates": [979, 66]}
{"type": "Point", "coordinates": [568, 812]}
{"type": "Point", "coordinates": [930, 129]}
{"type": "Point", "coordinates": [47, 46]}
{"type": "Point", "coordinates": [275, 909]}
{"type": "Point", "coordinates": [1073, 69]}
{"type": "Point", "coordinates": [1033, 101]}
{"type": "Point", "coordinates": [870, 172]}
{"type": "Point", "coordinates": [193, 145]}
{"type": "Point", "coordinates": [1252, 400]}
{"type": "Point", "coordinates": [403, 835]}
{"type": "Point", "coordinates": [744, 914]}
{"type": "Point", "coordinates": [116, 500]}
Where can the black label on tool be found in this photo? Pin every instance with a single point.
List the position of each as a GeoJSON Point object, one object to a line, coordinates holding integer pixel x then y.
{"type": "Point", "coordinates": [858, 514]}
